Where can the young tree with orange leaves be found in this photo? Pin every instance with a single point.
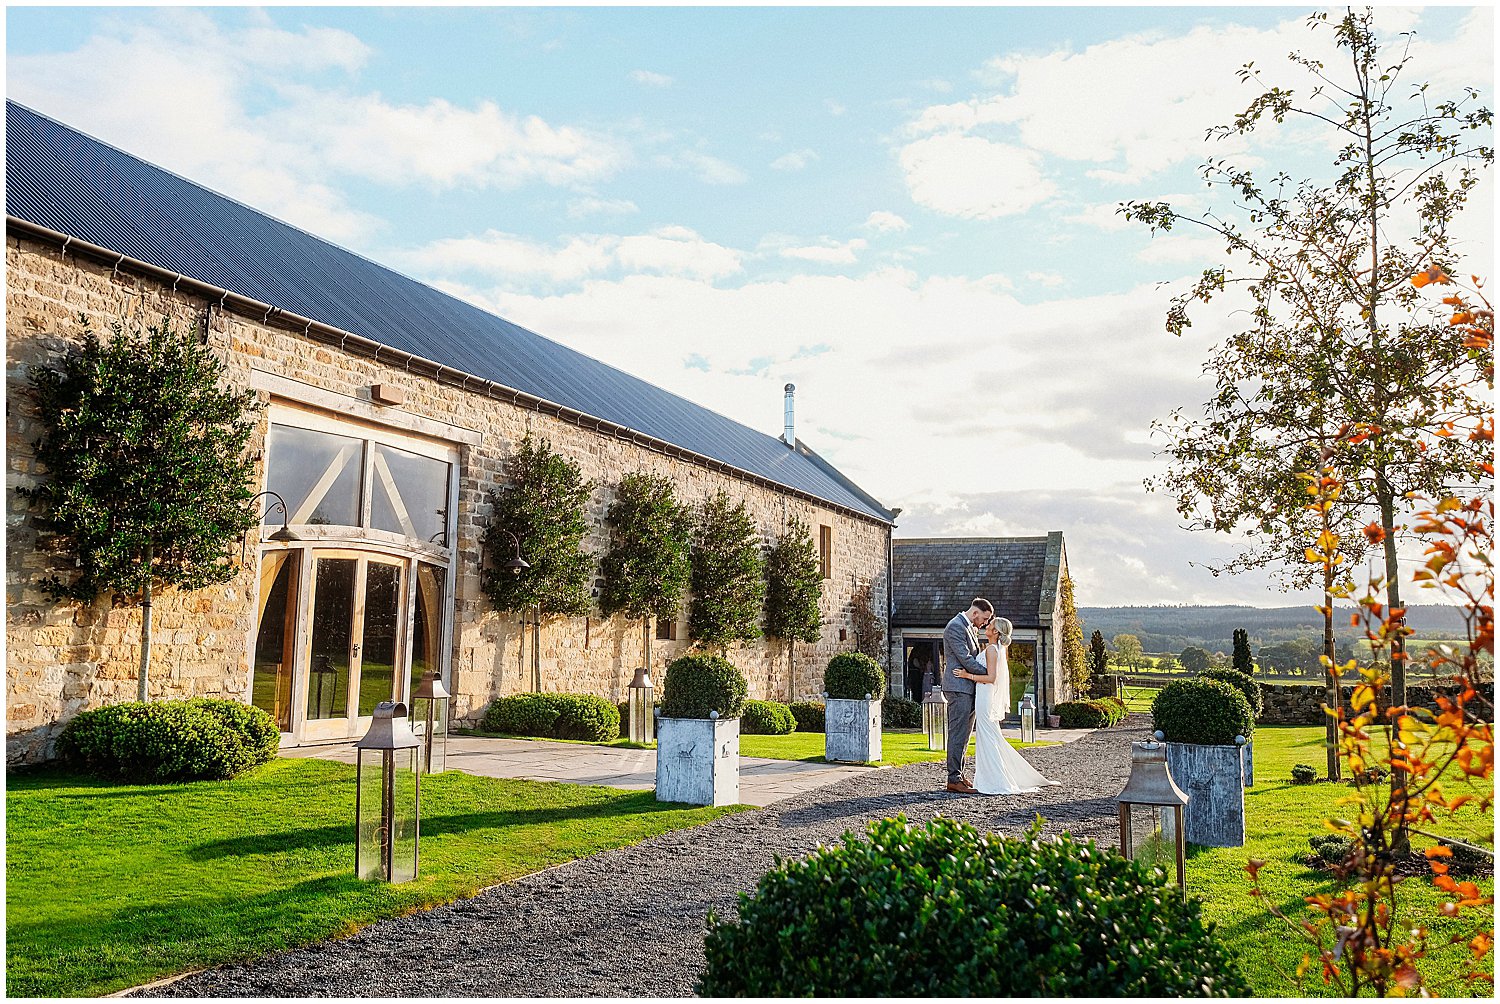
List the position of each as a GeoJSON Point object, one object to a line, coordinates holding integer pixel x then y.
{"type": "Point", "coordinates": [1341, 361]}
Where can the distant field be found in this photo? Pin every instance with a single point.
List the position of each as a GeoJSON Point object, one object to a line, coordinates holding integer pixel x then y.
{"type": "Point", "coordinates": [1173, 628]}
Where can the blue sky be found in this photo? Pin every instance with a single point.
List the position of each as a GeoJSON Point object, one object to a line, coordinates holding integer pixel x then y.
{"type": "Point", "coordinates": [907, 212]}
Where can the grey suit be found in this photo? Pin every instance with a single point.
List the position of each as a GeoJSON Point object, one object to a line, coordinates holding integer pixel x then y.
{"type": "Point", "coordinates": [960, 649]}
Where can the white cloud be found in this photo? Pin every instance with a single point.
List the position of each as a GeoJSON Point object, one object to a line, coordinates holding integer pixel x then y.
{"type": "Point", "coordinates": [1044, 278]}
{"type": "Point", "coordinates": [828, 252]}
{"type": "Point", "coordinates": [796, 160]}
{"type": "Point", "coordinates": [1185, 249]}
{"type": "Point", "coordinates": [834, 107]}
{"type": "Point", "coordinates": [885, 222]}
{"type": "Point", "coordinates": [1136, 106]}
{"type": "Point", "coordinates": [972, 177]}
{"type": "Point", "coordinates": [253, 114]}
{"type": "Point", "coordinates": [515, 261]}
{"type": "Point", "coordinates": [710, 170]}
{"type": "Point", "coordinates": [594, 206]}
{"type": "Point", "coordinates": [650, 79]}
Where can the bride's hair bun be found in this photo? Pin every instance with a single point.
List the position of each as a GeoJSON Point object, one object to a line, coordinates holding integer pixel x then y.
{"type": "Point", "coordinates": [1004, 627]}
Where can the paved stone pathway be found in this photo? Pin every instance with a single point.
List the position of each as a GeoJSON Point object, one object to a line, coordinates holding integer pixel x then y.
{"type": "Point", "coordinates": [630, 922]}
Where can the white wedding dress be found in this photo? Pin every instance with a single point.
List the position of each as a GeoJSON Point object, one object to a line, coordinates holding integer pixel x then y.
{"type": "Point", "coordinates": [998, 768]}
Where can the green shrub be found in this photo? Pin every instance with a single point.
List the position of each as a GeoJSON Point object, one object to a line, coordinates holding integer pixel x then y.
{"type": "Point", "coordinates": [1303, 773]}
{"type": "Point", "coordinates": [521, 715]}
{"type": "Point", "coordinates": [1331, 848]}
{"type": "Point", "coordinates": [900, 713]}
{"type": "Point", "coordinates": [698, 684]}
{"type": "Point", "coordinates": [766, 718]}
{"type": "Point", "coordinates": [1097, 714]}
{"type": "Point", "coordinates": [554, 716]}
{"type": "Point", "coordinates": [1239, 681]}
{"type": "Point", "coordinates": [852, 675]}
{"type": "Point", "coordinates": [1081, 715]}
{"type": "Point", "coordinates": [200, 740]}
{"type": "Point", "coordinates": [943, 910]}
{"type": "Point", "coordinates": [586, 717]}
{"type": "Point", "coordinates": [809, 715]}
{"type": "Point", "coordinates": [1202, 711]}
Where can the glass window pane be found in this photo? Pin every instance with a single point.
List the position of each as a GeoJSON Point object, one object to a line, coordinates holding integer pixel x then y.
{"type": "Point", "coordinates": [332, 617]}
{"type": "Point", "coordinates": [432, 612]}
{"type": "Point", "coordinates": [377, 671]}
{"type": "Point", "coordinates": [271, 684]}
{"type": "Point", "coordinates": [317, 473]}
{"type": "Point", "coordinates": [410, 494]}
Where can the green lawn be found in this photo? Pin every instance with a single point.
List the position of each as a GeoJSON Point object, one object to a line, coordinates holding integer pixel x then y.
{"type": "Point", "coordinates": [621, 743]}
{"type": "Point", "coordinates": [110, 885]}
{"type": "Point", "coordinates": [1279, 819]}
{"type": "Point", "coordinates": [896, 748]}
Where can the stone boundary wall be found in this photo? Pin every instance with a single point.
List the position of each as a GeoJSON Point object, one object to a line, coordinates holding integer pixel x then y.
{"type": "Point", "coordinates": [65, 657]}
{"type": "Point", "coordinates": [1302, 704]}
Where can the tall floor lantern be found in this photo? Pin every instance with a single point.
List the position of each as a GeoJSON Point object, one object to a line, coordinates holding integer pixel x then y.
{"type": "Point", "coordinates": [1151, 823]}
{"type": "Point", "coordinates": [934, 715]}
{"type": "Point", "coordinates": [429, 716]}
{"type": "Point", "coordinates": [387, 797]}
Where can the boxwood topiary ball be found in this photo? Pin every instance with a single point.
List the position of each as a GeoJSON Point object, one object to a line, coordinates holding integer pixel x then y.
{"type": "Point", "coordinates": [766, 718]}
{"type": "Point", "coordinates": [1239, 681]}
{"type": "Point", "coordinates": [852, 675]}
{"type": "Point", "coordinates": [943, 910]}
{"type": "Point", "coordinates": [1203, 712]}
{"type": "Point", "coordinates": [698, 684]}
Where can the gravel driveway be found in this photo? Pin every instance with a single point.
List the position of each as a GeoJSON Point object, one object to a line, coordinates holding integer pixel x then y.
{"type": "Point", "coordinates": [630, 922]}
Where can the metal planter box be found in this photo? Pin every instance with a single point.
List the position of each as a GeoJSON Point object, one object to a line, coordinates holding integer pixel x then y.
{"type": "Point", "coordinates": [698, 760]}
{"type": "Point", "coordinates": [851, 730]}
{"type": "Point", "coordinates": [1214, 779]}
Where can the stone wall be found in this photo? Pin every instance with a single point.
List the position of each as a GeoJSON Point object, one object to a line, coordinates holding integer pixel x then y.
{"type": "Point", "coordinates": [1302, 704]}
{"type": "Point", "coordinates": [64, 657]}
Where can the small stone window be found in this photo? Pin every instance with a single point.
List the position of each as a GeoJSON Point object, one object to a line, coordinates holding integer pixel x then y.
{"type": "Point", "coordinates": [666, 629]}
{"type": "Point", "coordinates": [825, 550]}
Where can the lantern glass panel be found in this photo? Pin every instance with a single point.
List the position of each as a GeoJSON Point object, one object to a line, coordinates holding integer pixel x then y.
{"type": "Point", "coordinates": [434, 738]}
{"type": "Point", "coordinates": [935, 724]}
{"type": "Point", "coordinates": [1028, 724]}
{"type": "Point", "coordinates": [1153, 840]}
{"type": "Point", "coordinates": [386, 828]}
{"type": "Point", "coordinates": [642, 725]}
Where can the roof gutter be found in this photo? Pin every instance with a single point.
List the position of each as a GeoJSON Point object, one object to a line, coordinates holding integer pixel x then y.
{"type": "Point", "coordinates": [348, 341]}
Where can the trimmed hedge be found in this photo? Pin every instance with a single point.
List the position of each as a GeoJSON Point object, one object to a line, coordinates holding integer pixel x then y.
{"type": "Point", "coordinates": [852, 675]}
{"type": "Point", "coordinates": [1304, 773]}
{"type": "Point", "coordinates": [204, 739]}
{"type": "Point", "coordinates": [810, 715]}
{"type": "Point", "coordinates": [1097, 714]}
{"type": "Point", "coordinates": [900, 713]}
{"type": "Point", "coordinates": [1203, 712]}
{"type": "Point", "coordinates": [698, 684]}
{"type": "Point", "coordinates": [1239, 681]}
{"type": "Point", "coordinates": [584, 717]}
{"type": "Point", "coordinates": [766, 718]}
{"type": "Point", "coordinates": [943, 910]}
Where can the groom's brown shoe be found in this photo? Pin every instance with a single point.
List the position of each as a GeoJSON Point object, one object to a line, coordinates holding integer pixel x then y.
{"type": "Point", "coordinates": [962, 788]}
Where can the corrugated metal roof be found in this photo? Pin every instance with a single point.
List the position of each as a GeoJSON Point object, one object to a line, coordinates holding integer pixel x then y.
{"type": "Point", "coordinates": [58, 178]}
{"type": "Point", "coordinates": [934, 578]}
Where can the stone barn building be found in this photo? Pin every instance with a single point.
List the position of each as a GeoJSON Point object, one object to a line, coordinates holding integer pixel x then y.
{"type": "Point", "coordinates": [391, 409]}
{"type": "Point", "coordinates": [934, 578]}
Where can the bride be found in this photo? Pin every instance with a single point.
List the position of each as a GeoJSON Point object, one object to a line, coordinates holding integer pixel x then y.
{"type": "Point", "coordinates": [998, 768]}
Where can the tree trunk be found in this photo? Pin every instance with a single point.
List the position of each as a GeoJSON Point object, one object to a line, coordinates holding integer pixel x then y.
{"type": "Point", "coordinates": [140, 690]}
{"type": "Point", "coordinates": [646, 643]}
{"type": "Point", "coordinates": [1333, 698]}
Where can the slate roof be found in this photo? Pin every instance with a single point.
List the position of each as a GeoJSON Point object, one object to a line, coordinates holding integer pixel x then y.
{"type": "Point", "coordinates": [933, 578]}
{"type": "Point", "coordinates": [58, 178]}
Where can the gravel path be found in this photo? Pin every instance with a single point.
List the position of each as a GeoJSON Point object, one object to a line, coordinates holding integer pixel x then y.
{"type": "Point", "coordinates": [630, 922]}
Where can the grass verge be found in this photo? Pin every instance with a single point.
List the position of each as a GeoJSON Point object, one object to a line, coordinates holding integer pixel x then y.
{"type": "Point", "coordinates": [897, 748]}
{"type": "Point", "coordinates": [1280, 817]}
{"type": "Point", "coordinates": [113, 885]}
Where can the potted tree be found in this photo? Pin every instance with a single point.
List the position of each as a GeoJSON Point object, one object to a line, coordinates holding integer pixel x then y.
{"type": "Point", "coordinates": [853, 685]}
{"type": "Point", "coordinates": [1245, 685]}
{"type": "Point", "coordinates": [1206, 724]}
{"type": "Point", "coordinates": [698, 733]}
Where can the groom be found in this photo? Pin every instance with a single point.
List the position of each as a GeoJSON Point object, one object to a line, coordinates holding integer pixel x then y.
{"type": "Point", "coordinates": [960, 651]}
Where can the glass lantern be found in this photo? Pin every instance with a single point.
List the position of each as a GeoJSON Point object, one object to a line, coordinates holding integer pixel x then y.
{"type": "Point", "coordinates": [1151, 824]}
{"type": "Point", "coordinates": [934, 715]}
{"type": "Point", "coordinates": [642, 724]}
{"type": "Point", "coordinates": [387, 797]}
{"type": "Point", "coordinates": [1027, 711]}
{"type": "Point", "coordinates": [429, 721]}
